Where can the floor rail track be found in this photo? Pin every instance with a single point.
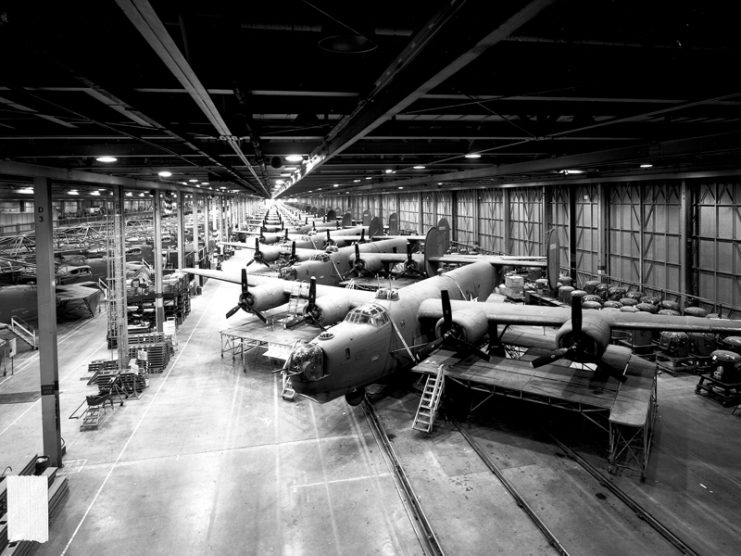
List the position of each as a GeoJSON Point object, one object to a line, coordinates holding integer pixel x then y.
{"type": "Point", "coordinates": [624, 497]}
{"type": "Point", "coordinates": [428, 539]}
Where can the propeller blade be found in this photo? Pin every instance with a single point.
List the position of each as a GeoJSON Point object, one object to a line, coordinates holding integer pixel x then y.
{"type": "Point", "coordinates": [549, 358]}
{"type": "Point", "coordinates": [465, 346]}
{"type": "Point", "coordinates": [250, 262]}
{"type": "Point", "coordinates": [409, 252]}
{"type": "Point", "coordinates": [357, 253]}
{"type": "Point", "coordinates": [312, 290]}
{"type": "Point", "coordinates": [232, 311]}
{"type": "Point", "coordinates": [447, 311]}
{"type": "Point", "coordinates": [259, 315]}
{"type": "Point", "coordinates": [286, 235]}
{"type": "Point", "coordinates": [576, 314]}
{"type": "Point", "coordinates": [362, 235]}
{"type": "Point", "coordinates": [245, 286]}
{"type": "Point", "coordinates": [293, 250]}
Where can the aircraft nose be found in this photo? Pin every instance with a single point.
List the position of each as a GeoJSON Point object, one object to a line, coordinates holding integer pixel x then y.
{"type": "Point", "coordinates": [306, 362]}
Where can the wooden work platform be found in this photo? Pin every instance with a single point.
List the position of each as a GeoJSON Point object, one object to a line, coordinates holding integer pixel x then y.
{"type": "Point", "coordinates": [249, 332]}
{"type": "Point", "coordinates": [630, 407]}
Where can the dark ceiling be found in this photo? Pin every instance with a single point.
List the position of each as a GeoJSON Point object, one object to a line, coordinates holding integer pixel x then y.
{"type": "Point", "coordinates": [221, 92]}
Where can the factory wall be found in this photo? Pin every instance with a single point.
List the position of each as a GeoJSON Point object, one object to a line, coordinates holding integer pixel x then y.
{"type": "Point", "coordinates": [635, 232]}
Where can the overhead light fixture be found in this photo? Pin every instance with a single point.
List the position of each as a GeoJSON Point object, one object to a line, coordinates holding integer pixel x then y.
{"type": "Point", "coordinates": [204, 183]}
{"type": "Point", "coordinates": [25, 191]}
{"type": "Point", "coordinates": [95, 193]}
{"type": "Point", "coordinates": [198, 186]}
{"type": "Point", "coordinates": [647, 165]}
{"type": "Point", "coordinates": [389, 171]}
{"type": "Point", "coordinates": [369, 177]}
{"type": "Point", "coordinates": [401, 187]}
{"type": "Point", "coordinates": [356, 181]}
{"type": "Point", "coordinates": [419, 166]}
{"type": "Point", "coordinates": [183, 183]}
{"type": "Point", "coordinates": [473, 155]}
{"type": "Point", "coordinates": [164, 174]}
{"type": "Point", "coordinates": [107, 159]}
{"type": "Point", "coordinates": [279, 182]}
{"type": "Point", "coordinates": [73, 192]}
{"type": "Point", "coordinates": [294, 158]}
{"type": "Point", "coordinates": [337, 184]}
{"type": "Point", "coordinates": [141, 194]}
{"type": "Point", "coordinates": [572, 171]}
{"type": "Point", "coordinates": [285, 175]}
{"type": "Point", "coordinates": [193, 180]}
{"type": "Point", "coordinates": [129, 194]}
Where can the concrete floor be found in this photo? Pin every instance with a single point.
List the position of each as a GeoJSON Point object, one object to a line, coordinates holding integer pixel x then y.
{"type": "Point", "coordinates": [211, 460]}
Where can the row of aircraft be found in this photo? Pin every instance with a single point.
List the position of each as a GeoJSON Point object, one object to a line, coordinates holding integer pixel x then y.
{"type": "Point", "coordinates": [367, 336]}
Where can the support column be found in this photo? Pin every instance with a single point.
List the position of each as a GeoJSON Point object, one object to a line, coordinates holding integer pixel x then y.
{"type": "Point", "coordinates": [223, 219]}
{"type": "Point", "coordinates": [47, 310]}
{"type": "Point", "coordinates": [507, 217]}
{"type": "Point", "coordinates": [421, 213]}
{"type": "Point", "coordinates": [476, 215]}
{"type": "Point", "coordinates": [454, 216]}
{"type": "Point", "coordinates": [159, 307]}
{"type": "Point", "coordinates": [207, 229]}
{"type": "Point", "coordinates": [603, 230]}
{"type": "Point", "coordinates": [118, 307]}
{"type": "Point", "coordinates": [196, 258]}
{"type": "Point", "coordinates": [181, 229]}
{"type": "Point", "coordinates": [572, 233]}
{"type": "Point", "coordinates": [547, 212]}
{"type": "Point", "coordinates": [685, 247]}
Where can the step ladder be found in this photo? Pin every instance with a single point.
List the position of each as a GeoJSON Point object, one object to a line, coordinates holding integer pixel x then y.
{"type": "Point", "coordinates": [24, 331]}
{"type": "Point", "coordinates": [92, 417]}
{"type": "Point", "coordinates": [287, 392]}
{"type": "Point", "coordinates": [295, 301]}
{"type": "Point", "coordinates": [430, 401]}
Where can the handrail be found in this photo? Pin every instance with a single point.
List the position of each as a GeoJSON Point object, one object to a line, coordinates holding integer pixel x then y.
{"type": "Point", "coordinates": [28, 335]}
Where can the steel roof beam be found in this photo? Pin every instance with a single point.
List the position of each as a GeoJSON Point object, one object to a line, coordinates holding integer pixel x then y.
{"type": "Point", "coordinates": [145, 20]}
{"type": "Point", "coordinates": [407, 79]}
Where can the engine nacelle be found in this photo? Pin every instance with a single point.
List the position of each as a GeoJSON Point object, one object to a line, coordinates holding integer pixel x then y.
{"type": "Point", "coordinates": [468, 325]}
{"type": "Point", "coordinates": [332, 308]}
{"type": "Point", "coordinates": [266, 296]}
{"type": "Point", "coordinates": [593, 340]}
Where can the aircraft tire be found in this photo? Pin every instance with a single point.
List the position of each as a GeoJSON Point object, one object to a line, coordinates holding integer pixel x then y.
{"type": "Point", "coordinates": [355, 396]}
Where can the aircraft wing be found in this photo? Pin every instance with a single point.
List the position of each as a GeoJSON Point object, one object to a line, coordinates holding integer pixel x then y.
{"type": "Point", "coordinates": [496, 260]}
{"type": "Point", "coordinates": [507, 313]}
{"type": "Point", "coordinates": [501, 313]}
{"type": "Point", "coordinates": [289, 287]}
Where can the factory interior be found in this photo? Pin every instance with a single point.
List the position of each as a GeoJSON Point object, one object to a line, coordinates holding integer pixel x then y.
{"type": "Point", "coordinates": [319, 277]}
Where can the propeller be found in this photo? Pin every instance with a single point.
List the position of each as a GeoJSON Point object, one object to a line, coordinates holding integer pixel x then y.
{"type": "Point", "coordinates": [293, 259]}
{"type": "Point", "coordinates": [358, 266]}
{"type": "Point", "coordinates": [329, 241]}
{"type": "Point", "coordinates": [258, 257]}
{"type": "Point", "coordinates": [410, 265]}
{"type": "Point", "coordinates": [246, 300]}
{"type": "Point", "coordinates": [312, 313]}
{"type": "Point", "coordinates": [450, 331]}
{"type": "Point", "coordinates": [578, 348]}
{"type": "Point", "coordinates": [362, 236]}
{"type": "Point", "coordinates": [284, 239]}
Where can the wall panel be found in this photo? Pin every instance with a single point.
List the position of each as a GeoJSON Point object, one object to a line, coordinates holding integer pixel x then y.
{"type": "Point", "coordinates": [491, 220]}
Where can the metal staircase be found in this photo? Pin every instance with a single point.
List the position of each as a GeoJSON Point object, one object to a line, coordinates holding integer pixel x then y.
{"type": "Point", "coordinates": [430, 401]}
{"type": "Point", "coordinates": [24, 331]}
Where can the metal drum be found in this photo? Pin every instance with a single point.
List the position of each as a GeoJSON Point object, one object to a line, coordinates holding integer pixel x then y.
{"type": "Point", "coordinates": [564, 294]}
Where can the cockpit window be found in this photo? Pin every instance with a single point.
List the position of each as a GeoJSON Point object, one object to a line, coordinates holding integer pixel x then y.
{"type": "Point", "coordinates": [370, 313]}
{"type": "Point", "coordinates": [323, 257]}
